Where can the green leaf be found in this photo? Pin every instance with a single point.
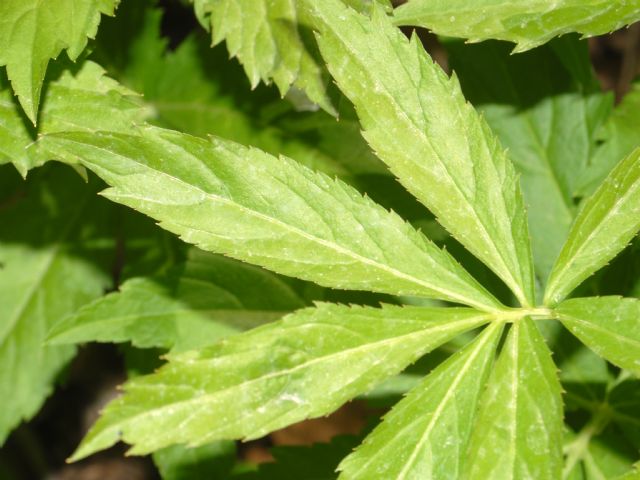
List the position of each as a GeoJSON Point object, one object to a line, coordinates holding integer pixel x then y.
{"type": "Point", "coordinates": [633, 474]}
{"type": "Point", "coordinates": [192, 305]}
{"type": "Point", "coordinates": [214, 460]}
{"type": "Point", "coordinates": [47, 270]}
{"type": "Point", "coordinates": [596, 456]}
{"type": "Point", "coordinates": [518, 432]}
{"type": "Point", "coordinates": [607, 325]}
{"type": "Point", "coordinates": [306, 365]}
{"type": "Point", "coordinates": [85, 100]}
{"type": "Point", "coordinates": [426, 434]}
{"type": "Point", "coordinates": [33, 32]}
{"type": "Point", "coordinates": [528, 23]}
{"type": "Point", "coordinates": [620, 136]}
{"type": "Point", "coordinates": [313, 462]}
{"type": "Point", "coordinates": [584, 375]}
{"type": "Point", "coordinates": [608, 220]}
{"type": "Point", "coordinates": [547, 115]}
{"type": "Point", "coordinates": [198, 90]}
{"type": "Point", "coordinates": [272, 212]}
{"type": "Point", "coordinates": [270, 42]}
{"type": "Point", "coordinates": [418, 123]}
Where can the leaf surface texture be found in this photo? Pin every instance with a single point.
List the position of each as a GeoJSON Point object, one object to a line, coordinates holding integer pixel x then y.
{"type": "Point", "coordinates": [306, 365]}
{"type": "Point", "coordinates": [518, 432]}
{"type": "Point", "coordinates": [418, 122]}
{"type": "Point", "coordinates": [269, 211]}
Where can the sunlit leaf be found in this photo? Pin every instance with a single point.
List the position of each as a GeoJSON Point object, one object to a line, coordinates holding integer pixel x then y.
{"type": "Point", "coordinates": [418, 122]}
{"type": "Point", "coordinates": [426, 434]}
{"type": "Point", "coordinates": [528, 23]}
{"type": "Point", "coordinates": [610, 326]}
{"type": "Point", "coordinates": [304, 366]}
{"type": "Point", "coordinates": [518, 433]}
{"type": "Point", "coordinates": [84, 100]}
{"type": "Point", "coordinates": [230, 199]}
{"type": "Point", "coordinates": [608, 220]}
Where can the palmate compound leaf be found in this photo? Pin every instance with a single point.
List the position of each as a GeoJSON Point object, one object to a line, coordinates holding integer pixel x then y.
{"type": "Point", "coordinates": [528, 23]}
{"type": "Point", "coordinates": [518, 431]}
{"type": "Point", "coordinates": [418, 122]}
{"type": "Point", "coordinates": [84, 100]}
{"type": "Point", "coordinates": [426, 434]}
{"type": "Point", "coordinates": [608, 220]}
{"type": "Point", "coordinates": [269, 211]}
{"type": "Point", "coordinates": [32, 32]}
{"type": "Point", "coordinates": [47, 270]}
{"type": "Point", "coordinates": [192, 305]}
{"type": "Point", "coordinates": [610, 326]}
{"type": "Point", "coordinates": [305, 365]}
{"type": "Point", "coordinates": [270, 42]}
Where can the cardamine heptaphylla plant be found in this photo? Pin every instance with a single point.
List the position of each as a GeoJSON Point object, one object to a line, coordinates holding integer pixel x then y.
{"type": "Point", "coordinates": [531, 183]}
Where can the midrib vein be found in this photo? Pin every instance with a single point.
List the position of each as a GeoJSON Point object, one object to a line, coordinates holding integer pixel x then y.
{"type": "Point", "coordinates": [504, 270]}
{"type": "Point", "coordinates": [338, 248]}
{"type": "Point", "coordinates": [450, 393]}
{"type": "Point", "coordinates": [210, 397]}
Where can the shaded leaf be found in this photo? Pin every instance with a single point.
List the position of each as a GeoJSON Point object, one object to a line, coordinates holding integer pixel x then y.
{"type": "Point", "coordinates": [608, 220]}
{"type": "Point", "coordinates": [192, 305]}
{"type": "Point", "coordinates": [528, 23]}
{"type": "Point", "coordinates": [303, 366]}
{"type": "Point", "coordinates": [620, 135]}
{"type": "Point", "coordinates": [601, 456]}
{"type": "Point", "coordinates": [207, 462]}
{"type": "Point", "coordinates": [418, 123]}
{"type": "Point", "coordinates": [47, 270]}
{"type": "Point", "coordinates": [313, 462]}
{"type": "Point", "coordinates": [518, 432]}
{"type": "Point", "coordinates": [426, 434]}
